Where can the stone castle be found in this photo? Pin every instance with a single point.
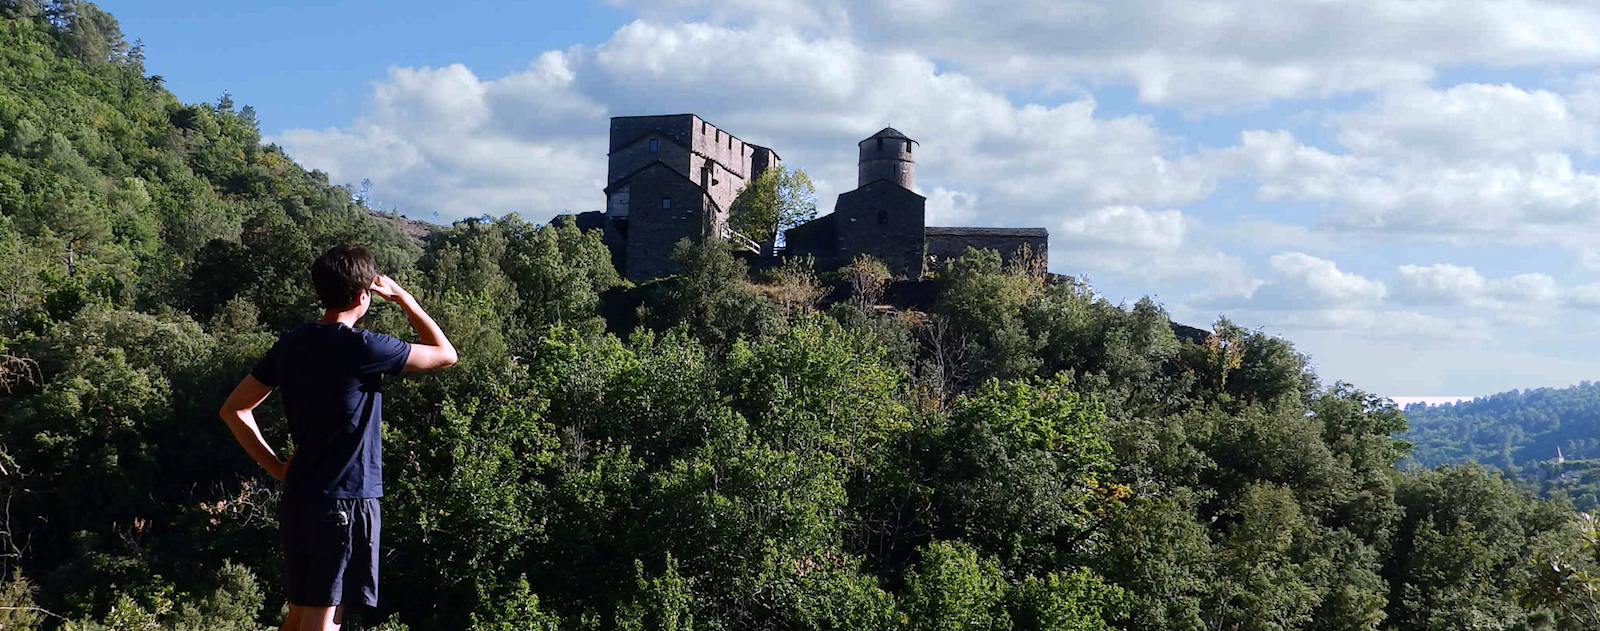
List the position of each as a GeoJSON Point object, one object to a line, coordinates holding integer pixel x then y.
{"type": "Point", "coordinates": [675, 176]}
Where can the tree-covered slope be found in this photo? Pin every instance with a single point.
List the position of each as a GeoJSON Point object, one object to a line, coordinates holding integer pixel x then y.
{"type": "Point", "coordinates": [1521, 432]}
{"type": "Point", "coordinates": [1509, 430]}
{"type": "Point", "coordinates": [1021, 454]}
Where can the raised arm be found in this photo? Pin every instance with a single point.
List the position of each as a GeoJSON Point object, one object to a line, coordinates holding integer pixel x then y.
{"type": "Point", "coordinates": [435, 350]}
{"type": "Point", "coordinates": [238, 412]}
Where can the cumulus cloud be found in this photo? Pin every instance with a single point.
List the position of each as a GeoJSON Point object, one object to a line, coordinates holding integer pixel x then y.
{"type": "Point", "coordinates": [1125, 225]}
{"type": "Point", "coordinates": [1193, 54]}
{"type": "Point", "coordinates": [1518, 299]}
{"type": "Point", "coordinates": [1300, 280]}
{"type": "Point", "coordinates": [1149, 246]}
{"type": "Point", "coordinates": [1389, 324]}
{"type": "Point", "coordinates": [1007, 105]}
{"type": "Point", "coordinates": [1472, 163]}
{"type": "Point", "coordinates": [445, 139]}
{"type": "Point", "coordinates": [1465, 122]}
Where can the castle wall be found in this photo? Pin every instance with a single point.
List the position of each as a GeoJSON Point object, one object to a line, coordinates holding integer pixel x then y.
{"type": "Point", "coordinates": [721, 146]}
{"type": "Point", "coordinates": [882, 220]}
{"type": "Point", "coordinates": [721, 184]}
{"type": "Point", "coordinates": [626, 129]}
{"type": "Point", "coordinates": [761, 159]}
{"type": "Point", "coordinates": [635, 156]}
{"type": "Point", "coordinates": [886, 158]}
{"type": "Point", "coordinates": [816, 238]}
{"type": "Point", "coordinates": [702, 169]}
{"type": "Point", "coordinates": [948, 243]}
{"type": "Point", "coordinates": [653, 230]}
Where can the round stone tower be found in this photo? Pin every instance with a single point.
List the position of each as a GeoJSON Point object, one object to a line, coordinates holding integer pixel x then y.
{"type": "Point", "coordinates": [886, 155]}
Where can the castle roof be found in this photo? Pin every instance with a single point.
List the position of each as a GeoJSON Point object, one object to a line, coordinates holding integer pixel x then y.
{"type": "Point", "coordinates": [889, 132]}
{"type": "Point", "coordinates": [971, 231]}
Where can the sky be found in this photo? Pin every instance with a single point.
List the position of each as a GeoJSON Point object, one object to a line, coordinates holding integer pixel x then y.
{"type": "Point", "coordinates": [1408, 191]}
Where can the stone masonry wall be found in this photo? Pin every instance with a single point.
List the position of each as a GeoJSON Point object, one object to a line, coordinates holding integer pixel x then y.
{"type": "Point", "coordinates": [948, 243]}
{"type": "Point", "coordinates": [653, 230]}
{"type": "Point", "coordinates": [885, 221]}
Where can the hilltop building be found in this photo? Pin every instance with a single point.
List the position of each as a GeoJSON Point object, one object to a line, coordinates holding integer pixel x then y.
{"type": "Point", "coordinates": [675, 176]}
{"type": "Point", "coordinates": [671, 177]}
{"type": "Point", "coordinates": [883, 217]}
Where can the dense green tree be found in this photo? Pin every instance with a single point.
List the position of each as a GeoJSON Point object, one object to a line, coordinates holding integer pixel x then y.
{"type": "Point", "coordinates": [704, 451]}
{"type": "Point", "coordinates": [778, 199]}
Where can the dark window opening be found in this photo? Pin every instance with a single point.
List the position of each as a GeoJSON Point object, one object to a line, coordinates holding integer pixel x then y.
{"type": "Point", "coordinates": [654, 145]}
{"type": "Point", "coordinates": [666, 202]}
{"type": "Point", "coordinates": [880, 143]}
{"type": "Point", "coordinates": [908, 146]}
{"type": "Point", "coordinates": [883, 216]}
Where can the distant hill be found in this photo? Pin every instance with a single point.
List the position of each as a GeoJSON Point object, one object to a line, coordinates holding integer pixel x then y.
{"type": "Point", "coordinates": [1510, 429]}
{"type": "Point", "coordinates": [1520, 432]}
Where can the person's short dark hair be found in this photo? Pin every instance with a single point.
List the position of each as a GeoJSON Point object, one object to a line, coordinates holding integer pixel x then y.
{"type": "Point", "coordinates": [341, 274]}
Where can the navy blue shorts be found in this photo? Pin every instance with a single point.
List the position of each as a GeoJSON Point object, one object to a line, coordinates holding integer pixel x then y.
{"type": "Point", "coordinates": [331, 550]}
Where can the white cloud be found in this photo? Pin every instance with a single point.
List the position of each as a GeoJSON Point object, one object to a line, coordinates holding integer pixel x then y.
{"type": "Point", "coordinates": [1190, 53]}
{"type": "Point", "coordinates": [1124, 225]}
{"type": "Point", "coordinates": [951, 208]}
{"type": "Point", "coordinates": [1390, 324]}
{"type": "Point", "coordinates": [1148, 246]}
{"type": "Point", "coordinates": [1008, 105]}
{"type": "Point", "coordinates": [1300, 280]}
{"type": "Point", "coordinates": [534, 141]}
{"type": "Point", "coordinates": [443, 140]}
{"type": "Point", "coordinates": [1465, 122]}
{"type": "Point", "coordinates": [1528, 298]}
{"type": "Point", "coordinates": [1472, 164]}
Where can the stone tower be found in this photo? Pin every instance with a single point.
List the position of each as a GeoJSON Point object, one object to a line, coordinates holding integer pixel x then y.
{"type": "Point", "coordinates": [669, 178]}
{"type": "Point", "coordinates": [886, 155]}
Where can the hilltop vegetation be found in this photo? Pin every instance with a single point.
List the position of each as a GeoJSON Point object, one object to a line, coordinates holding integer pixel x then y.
{"type": "Point", "coordinates": [1520, 432]}
{"type": "Point", "coordinates": [1023, 455]}
{"type": "Point", "coordinates": [1509, 430]}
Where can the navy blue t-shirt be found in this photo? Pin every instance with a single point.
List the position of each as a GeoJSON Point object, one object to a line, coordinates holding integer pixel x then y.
{"type": "Point", "coordinates": [330, 378]}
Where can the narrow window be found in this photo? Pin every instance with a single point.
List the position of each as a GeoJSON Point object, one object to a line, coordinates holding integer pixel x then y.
{"type": "Point", "coordinates": [666, 202]}
{"type": "Point", "coordinates": [880, 143]}
{"type": "Point", "coordinates": [908, 146]}
{"type": "Point", "coordinates": [883, 216]}
{"type": "Point", "coordinates": [654, 145]}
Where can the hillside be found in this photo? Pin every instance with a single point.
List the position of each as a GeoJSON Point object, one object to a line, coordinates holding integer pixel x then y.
{"type": "Point", "coordinates": [1509, 430]}
{"type": "Point", "coordinates": [725, 453]}
{"type": "Point", "coordinates": [1520, 432]}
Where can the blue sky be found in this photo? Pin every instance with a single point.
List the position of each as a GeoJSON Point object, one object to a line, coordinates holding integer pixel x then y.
{"type": "Point", "coordinates": [1408, 191]}
{"type": "Point", "coordinates": [311, 64]}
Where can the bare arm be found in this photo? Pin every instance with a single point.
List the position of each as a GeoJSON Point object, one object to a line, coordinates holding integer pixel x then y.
{"type": "Point", "coordinates": [238, 413]}
{"type": "Point", "coordinates": [435, 350]}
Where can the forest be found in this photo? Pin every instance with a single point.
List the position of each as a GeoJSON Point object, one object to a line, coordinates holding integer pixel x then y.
{"type": "Point", "coordinates": [720, 449]}
{"type": "Point", "coordinates": [1520, 432]}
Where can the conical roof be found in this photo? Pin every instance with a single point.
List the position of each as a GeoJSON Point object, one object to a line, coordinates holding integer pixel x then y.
{"type": "Point", "coordinates": [889, 132]}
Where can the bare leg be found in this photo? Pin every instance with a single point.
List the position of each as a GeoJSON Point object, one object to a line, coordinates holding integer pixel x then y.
{"type": "Point", "coordinates": [318, 619]}
{"type": "Point", "coordinates": [292, 621]}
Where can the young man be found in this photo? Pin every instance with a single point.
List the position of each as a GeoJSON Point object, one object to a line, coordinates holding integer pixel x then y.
{"type": "Point", "coordinates": [330, 376]}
